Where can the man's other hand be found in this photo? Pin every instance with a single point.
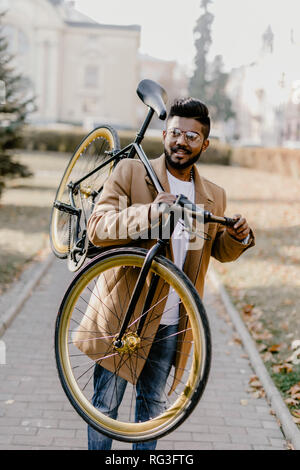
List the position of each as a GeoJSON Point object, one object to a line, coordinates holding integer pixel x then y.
{"type": "Point", "coordinates": [241, 229]}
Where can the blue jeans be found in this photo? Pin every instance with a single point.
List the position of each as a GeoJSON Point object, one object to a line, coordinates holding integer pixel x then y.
{"type": "Point", "coordinates": [150, 402]}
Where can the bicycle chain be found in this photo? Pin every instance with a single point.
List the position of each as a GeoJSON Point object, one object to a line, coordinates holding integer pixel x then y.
{"type": "Point", "coordinates": [69, 237]}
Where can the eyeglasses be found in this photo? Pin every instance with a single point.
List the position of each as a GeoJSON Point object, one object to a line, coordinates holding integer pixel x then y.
{"type": "Point", "coordinates": [190, 136]}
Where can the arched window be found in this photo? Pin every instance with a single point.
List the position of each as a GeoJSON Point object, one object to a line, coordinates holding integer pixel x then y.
{"type": "Point", "coordinates": [18, 43]}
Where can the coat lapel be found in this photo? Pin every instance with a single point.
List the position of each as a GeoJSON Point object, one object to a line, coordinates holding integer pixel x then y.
{"type": "Point", "coordinates": [159, 167]}
{"type": "Point", "coordinates": [193, 257]}
{"type": "Point", "coordinates": [202, 197]}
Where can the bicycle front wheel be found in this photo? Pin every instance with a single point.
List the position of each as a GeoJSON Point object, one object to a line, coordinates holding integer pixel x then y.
{"type": "Point", "coordinates": [91, 153]}
{"type": "Point", "coordinates": [89, 320]}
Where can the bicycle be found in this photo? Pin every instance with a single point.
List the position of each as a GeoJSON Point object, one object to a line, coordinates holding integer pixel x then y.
{"type": "Point", "coordinates": [144, 279]}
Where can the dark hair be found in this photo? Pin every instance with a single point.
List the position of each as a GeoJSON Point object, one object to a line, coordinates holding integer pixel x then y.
{"type": "Point", "coordinates": [191, 108]}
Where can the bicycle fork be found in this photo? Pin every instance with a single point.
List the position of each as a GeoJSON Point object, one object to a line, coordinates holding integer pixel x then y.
{"type": "Point", "coordinates": [158, 248]}
{"type": "Point", "coordinates": [155, 250]}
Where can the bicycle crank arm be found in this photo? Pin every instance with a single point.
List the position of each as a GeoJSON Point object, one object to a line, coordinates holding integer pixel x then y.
{"type": "Point", "coordinates": [61, 206]}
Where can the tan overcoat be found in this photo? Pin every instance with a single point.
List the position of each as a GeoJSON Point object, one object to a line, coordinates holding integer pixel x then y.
{"type": "Point", "coordinates": [118, 211]}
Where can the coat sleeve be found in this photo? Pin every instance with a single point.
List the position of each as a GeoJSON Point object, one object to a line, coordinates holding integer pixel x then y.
{"type": "Point", "coordinates": [115, 220]}
{"type": "Point", "coordinates": [225, 248]}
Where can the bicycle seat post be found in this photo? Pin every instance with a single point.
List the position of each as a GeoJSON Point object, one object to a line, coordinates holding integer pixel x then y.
{"type": "Point", "coordinates": [140, 135]}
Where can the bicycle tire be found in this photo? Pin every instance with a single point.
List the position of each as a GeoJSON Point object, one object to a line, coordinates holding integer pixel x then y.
{"type": "Point", "coordinates": [88, 155]}
{"type": "Point", "coordinates": [71, 370]}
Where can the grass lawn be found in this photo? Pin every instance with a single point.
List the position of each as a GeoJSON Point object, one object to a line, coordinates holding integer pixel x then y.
{"type": "Point", "coordinates": [264, 283]}
{"type": "Point", "coordinates": [25, 208]}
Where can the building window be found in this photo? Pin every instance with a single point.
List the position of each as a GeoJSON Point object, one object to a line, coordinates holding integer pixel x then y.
{"type": "Point", "coordinates": [91, 76]}
{"type": "Point", "coordinates": [90, 106]}
{"type": "Point", "coordinates": [18, 43]}
{"type": "Point", "coordinates": [91, 41]}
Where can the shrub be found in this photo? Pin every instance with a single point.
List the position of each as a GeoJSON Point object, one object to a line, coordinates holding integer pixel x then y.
{"type": "Point", "coordinates": [152, 145]}
{"type": "Point", "coordinates": [51, 140]}
{"type": "Point", "coordinates": [218, 153]}
{"type": "Point", "coordinates": [67, 141]}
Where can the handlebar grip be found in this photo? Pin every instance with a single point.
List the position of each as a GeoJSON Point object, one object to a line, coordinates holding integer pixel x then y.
{"type": "Point", "coordinates": [229, 222]}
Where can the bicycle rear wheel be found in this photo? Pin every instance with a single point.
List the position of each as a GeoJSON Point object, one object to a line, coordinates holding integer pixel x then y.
{"type": "Point", "coordinates": [88, 322]}
{"type": "Point", "coordinates": [90, 154]}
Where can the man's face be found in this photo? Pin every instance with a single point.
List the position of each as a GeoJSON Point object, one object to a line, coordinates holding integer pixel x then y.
{"type": "Point", "coordinates": [182, 149]}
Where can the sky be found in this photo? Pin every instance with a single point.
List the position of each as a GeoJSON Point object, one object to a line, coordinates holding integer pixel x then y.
{"type": "Point", "coordinates": [167, 25]}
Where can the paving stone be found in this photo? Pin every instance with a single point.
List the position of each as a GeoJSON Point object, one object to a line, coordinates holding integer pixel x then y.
{"type": "Point", "coordinates": [229, 446]}
{"type": "Point", "coordinates": [270, 424]}
{"type": "Point", "coordinates": [193, 446]}
{"type": "Point", "coordinates": [277, 442]}
{"type": "Point", "coordinates": [35, 413]}
{"type": "Point", "coordinates": [211, 437]}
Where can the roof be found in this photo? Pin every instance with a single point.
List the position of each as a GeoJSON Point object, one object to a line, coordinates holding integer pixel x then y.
{"type": "Point", "coordinates": [75, 18]}
{"type": "Point", "coordinates": [133, 27]}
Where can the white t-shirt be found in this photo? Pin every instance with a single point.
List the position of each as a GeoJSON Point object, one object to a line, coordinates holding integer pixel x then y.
{"type": "Point", "coordinates": [180, 241]}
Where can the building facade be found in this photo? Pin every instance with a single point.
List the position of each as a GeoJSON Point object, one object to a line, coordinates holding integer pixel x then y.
{"type": "Point", "coordinates": [80, 71]}
{"type": "Point", "coordinates": [266, 95]}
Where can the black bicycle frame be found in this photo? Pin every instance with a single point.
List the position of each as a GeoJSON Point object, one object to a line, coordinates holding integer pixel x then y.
{"type": "Point", "coordinates": [132, 148]}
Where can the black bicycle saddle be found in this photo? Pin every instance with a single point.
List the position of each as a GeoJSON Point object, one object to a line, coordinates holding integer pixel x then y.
{"type": "Point", "coordinates": [154, 96]}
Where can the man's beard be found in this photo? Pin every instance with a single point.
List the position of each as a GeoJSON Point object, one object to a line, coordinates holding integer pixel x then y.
{"type": "Point", "coordinates": [178, 165]}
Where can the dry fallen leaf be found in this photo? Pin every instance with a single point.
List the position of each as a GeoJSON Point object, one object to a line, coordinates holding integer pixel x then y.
{"type": "Point", "coordinates": [262, 347]}
{"type": "Point", "coordinates": [253, 378]}
{"type": "Point", "coordinates": [247, 309]}
{"type": "Point", "coordinates": [295, 357]}
{"type": "Point", "coordinates": [256, 384]}
{"type": "Point", "coordinates": [262, 336]}
{"type": "Point", "coordinates": [285, 367]}
{"type": "Point", "coordinates": [274, 348]}
{"type": "Point", "coordinates": [244, 402]}
{"type": "Point", "coordinates": [294, 389]}
{"type": "Point", "coordinates": [268, 357]}
{"type": "Point", "coordinates": [237, 339]}
{"type": "Point", "coordinates": [290, 446]}
{"type": "Point", "coordinates": [256, 390]}
{"type": "Point", "coordinates": [291, 401]}
{"type": "Point", "coordinates": [258, 394]}
{"type": "Point", "coordinates": [295, 344]}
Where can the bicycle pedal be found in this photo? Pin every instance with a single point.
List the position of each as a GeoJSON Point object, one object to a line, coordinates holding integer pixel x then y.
{"type": "Point", "coordinates": [61, 206]}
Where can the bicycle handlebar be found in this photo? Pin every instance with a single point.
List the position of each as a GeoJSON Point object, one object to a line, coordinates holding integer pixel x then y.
{"type": "Point", "coordinates": [207, 216]}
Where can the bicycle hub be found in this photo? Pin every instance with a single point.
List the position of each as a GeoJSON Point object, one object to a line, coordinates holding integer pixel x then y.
{"type": "Point", "coordinates": [129, 343]}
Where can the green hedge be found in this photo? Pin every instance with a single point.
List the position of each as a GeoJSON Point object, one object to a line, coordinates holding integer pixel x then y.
{"type": "Point", "coordinates": [51, 140]}
{"type": "Point", "coordinates": [67, 141]}
{"type": "Point", "coordinates": [218, 153]}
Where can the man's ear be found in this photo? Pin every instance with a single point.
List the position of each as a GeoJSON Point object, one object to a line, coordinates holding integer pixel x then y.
{"type": "Point", "coordinates": [205, 145]}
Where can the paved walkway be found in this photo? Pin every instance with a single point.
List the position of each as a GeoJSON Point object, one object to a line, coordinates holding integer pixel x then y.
{"type": "Point", "coordinates": [35, 414]}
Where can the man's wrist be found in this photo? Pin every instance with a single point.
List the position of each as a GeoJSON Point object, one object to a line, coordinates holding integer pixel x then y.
{"type": "Point", "coordinates": [244, 241]}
